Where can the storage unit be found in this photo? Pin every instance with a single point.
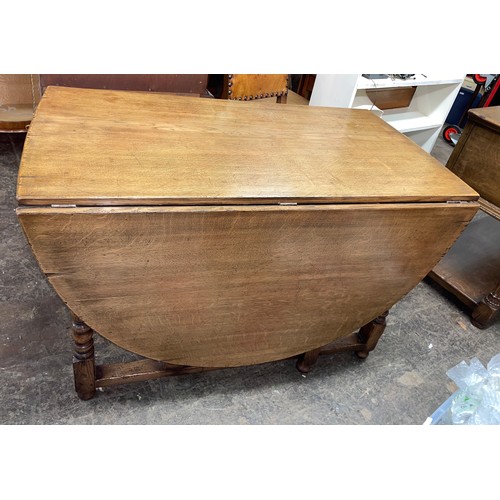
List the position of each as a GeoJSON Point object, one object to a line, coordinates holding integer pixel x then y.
{"type": "Point", "coordinates": [177, 84]}
{"type": "Point", "coordinates": [471, 269]}
{"type": "Point", "coordinates": [420, 118]}
{"type": "Point", "coordinates": [203, 233]}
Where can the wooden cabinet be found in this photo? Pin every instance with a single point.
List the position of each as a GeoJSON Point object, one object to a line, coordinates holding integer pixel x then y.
{"type": "Point", "coordinates": [306, 85]}
{"type": "Point", "coordinates": [177, 84]}
{"type": "Point", "coordinates": [471, 269]}
{"type": "Point", "coordinates": [419, 106]}
{"type": "Point", "coordinates": [205, 233]}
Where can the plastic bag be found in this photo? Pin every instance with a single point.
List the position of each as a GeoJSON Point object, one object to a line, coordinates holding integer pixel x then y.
{"type": "Point", "coordinates": [477, 402]}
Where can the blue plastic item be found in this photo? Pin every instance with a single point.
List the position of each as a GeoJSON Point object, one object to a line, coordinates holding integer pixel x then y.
{"type": "Point", "coordinates": [460, 105]}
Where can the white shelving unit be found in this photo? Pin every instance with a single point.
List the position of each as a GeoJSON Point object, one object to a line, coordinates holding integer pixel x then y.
{"type": "Point", "coordinates": [421, 121]}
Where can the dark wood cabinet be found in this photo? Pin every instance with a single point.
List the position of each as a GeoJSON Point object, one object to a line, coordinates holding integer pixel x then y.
{"type": "Point", "coordinates": [471, 269]}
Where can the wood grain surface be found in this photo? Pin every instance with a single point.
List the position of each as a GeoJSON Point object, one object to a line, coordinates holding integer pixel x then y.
{"type": "Point", "coordinates": [476, 160]}
{"type": "Point", "coordinates": [489, 208]}
{"type": "Point", "coordinates": [391, 98]}
{"type": "Point", "coordinates": [471, 268]}
{"type": "Point", "coordinates": [237, 285]}
{"type": "Point", "coordinates": [486, 117]}
{"type": "Point", "coordinates": [100, 147]}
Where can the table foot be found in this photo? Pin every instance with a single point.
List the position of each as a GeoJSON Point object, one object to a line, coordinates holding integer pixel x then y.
{"type": "Point", "coordinates": [306, 361]}
{"type": "Point", "coordinates": [485, 312]}
{"type": "Point", "coordinates": [370, 334]}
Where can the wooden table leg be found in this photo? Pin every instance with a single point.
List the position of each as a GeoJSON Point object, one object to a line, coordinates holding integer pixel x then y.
{"type": "Point", "coordinates": [485, 312]}
{"type": "Point", "coordinates": [370, 334]}
{"type": "Point", "coordinates": [306, 360]}
{"type": "Point", "coordinates": [88, 376]}
{"type": "Point", "coordinates": [361, 343]}
{"type": "Point", "coordinates": [83, 359]}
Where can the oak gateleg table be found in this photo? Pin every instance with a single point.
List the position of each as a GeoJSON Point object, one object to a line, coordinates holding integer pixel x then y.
{"type": "Point", "coordinates": [203, 233]}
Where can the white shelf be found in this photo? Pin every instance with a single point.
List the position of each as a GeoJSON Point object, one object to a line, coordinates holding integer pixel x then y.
{"type": "Point", "coordinates": [419, 80]}
{"type": "Point", "coordinates": [421, 121]}
{"type": "Point", "coordinates": [362, 101]}
{"type": "Point", "coordinates": [409, 121]}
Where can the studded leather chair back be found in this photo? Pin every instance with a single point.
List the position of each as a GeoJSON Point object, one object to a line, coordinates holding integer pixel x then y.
{"type": "Point", "coordinates": [249, 87]}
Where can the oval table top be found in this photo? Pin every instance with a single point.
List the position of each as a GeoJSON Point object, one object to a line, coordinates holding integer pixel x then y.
{"type": "Point", "coordinates": [104, 147]}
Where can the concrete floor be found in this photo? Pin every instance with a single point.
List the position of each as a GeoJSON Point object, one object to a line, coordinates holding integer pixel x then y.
{"type": "Point", "coordinates": [402, 382]}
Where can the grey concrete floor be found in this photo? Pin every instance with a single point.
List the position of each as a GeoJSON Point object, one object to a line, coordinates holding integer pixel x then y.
{"type": "Point", "coordinates": [402, 382]}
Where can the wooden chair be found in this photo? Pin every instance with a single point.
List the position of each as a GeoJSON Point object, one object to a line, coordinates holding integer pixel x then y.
{"type": "Point", "coordinates": [251, 87]}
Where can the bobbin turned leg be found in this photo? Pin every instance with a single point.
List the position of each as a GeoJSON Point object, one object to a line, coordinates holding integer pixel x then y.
{"type": "Point", "coordinates": [370, 334]}
{"type": "Point", "coordinates": [306, 360]}
{"type": "Point", "coordinates": [83, 359]}
{"type": "Point", "coordinates": [484, 313]}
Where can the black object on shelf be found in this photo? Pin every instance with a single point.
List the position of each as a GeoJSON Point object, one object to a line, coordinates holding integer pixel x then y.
{"type": "Point", "coordinates": [403, 76]}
